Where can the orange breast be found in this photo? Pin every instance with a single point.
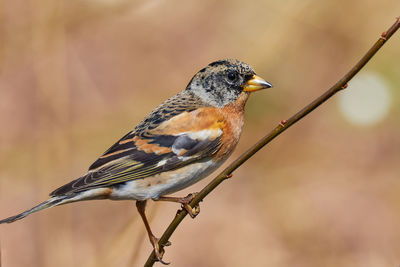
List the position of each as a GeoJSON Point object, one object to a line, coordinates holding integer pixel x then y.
{"type": "Point", "coordinates": [233, 115]}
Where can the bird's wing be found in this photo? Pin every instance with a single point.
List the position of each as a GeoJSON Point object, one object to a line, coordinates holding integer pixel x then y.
{"type": "Point", "coordinates": [173, 143]}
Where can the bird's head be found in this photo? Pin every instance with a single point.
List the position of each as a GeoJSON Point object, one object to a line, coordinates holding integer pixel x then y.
{"type": "Point", "coordinates": [223, 81]}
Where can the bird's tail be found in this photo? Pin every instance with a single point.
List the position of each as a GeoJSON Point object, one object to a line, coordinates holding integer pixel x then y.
{"type": "Point", "coordinates": [54, 201]}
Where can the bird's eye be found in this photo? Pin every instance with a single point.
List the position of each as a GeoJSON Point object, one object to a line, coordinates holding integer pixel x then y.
{"type": "Point", "coordinates": [232, 76]}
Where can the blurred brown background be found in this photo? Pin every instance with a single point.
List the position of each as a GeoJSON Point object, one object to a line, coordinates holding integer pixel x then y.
{"type": "Point", "coordinates": [77, 75]}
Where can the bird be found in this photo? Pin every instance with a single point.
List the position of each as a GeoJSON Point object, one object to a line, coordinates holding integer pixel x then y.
{"type": "Point", "coordinates": [180, 142]}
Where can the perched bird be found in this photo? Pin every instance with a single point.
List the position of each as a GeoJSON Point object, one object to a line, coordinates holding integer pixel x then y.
{"type": "Point", "coordinates": [180, 142]}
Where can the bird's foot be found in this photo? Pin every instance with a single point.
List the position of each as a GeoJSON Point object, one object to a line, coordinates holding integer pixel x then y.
{"type": "Point", "coordinates": [192, 211]}
{"type": "Point", "coordinates": [159, 249]}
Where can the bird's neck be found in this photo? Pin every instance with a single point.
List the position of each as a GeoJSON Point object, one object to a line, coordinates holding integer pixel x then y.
{"type": "Point", "coordinates": [237, 107]}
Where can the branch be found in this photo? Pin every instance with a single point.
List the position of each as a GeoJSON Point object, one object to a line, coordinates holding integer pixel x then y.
{"type": "Point", "coordinates": [285, 124]}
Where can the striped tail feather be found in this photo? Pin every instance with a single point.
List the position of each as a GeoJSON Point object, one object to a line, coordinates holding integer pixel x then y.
{"type": "Point", "coordinates": [54, 201]}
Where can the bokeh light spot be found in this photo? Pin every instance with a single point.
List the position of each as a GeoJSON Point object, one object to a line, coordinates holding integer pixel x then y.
{"type": "Point", "coordinates": [366, 101]}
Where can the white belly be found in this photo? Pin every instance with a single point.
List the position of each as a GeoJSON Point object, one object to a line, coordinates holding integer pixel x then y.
{"type": "Point", "coordinates": [165, 183]}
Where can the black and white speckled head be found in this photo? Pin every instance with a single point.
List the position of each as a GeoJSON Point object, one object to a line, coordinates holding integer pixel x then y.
{"type": "Point", "coordinates": [221, 82]}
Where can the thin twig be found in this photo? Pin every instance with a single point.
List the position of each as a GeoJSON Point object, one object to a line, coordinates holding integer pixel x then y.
{"type": "Point", "coordinates": [282, 126]}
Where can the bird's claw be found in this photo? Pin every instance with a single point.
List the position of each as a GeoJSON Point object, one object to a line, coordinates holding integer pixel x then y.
{"type": "Point", "coordinates": [159, 249]}
{"type": "Point", "coordinates": [193, 212]}
{"type": "Point", "coordinates": [166, 244]}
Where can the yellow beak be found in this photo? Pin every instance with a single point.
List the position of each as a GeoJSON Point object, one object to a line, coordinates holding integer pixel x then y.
{"type": "Point", "coordinates": [256, 83]}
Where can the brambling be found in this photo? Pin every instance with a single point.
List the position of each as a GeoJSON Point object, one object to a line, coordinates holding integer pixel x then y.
{"type": "Point", "coordinates": [180, 142]}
